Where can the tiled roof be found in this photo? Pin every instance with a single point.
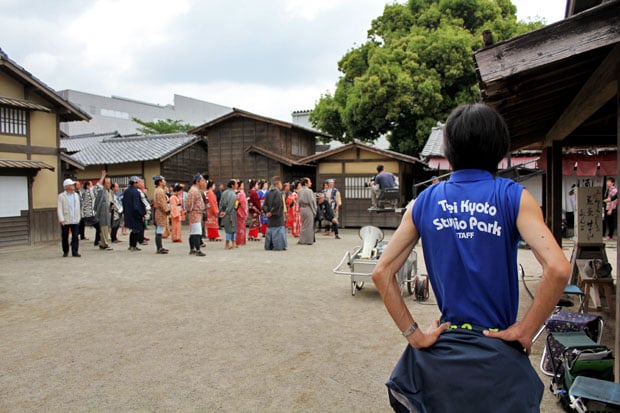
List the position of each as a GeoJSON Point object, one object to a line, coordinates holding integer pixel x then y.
{"type": "Point", "coordinates": [111, 149]}
{"type": "Point", "coordinates": [433, 146]}
{"type": "Point", "coordinates": [204, 129]}
{"type": "Point", "coordinates": [272, 155]}
{"type": "Point", "coordinates": [23, 104]}
{"type": "Point", "coordinates": [10, 164]}
{"type": "Point", "coordinates": [79, 142]}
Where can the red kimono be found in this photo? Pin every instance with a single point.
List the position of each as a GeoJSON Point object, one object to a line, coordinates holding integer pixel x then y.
{"type": "Point", "coordinates": [212, 224]}
{"type": "Point", "coordinates": [293, 220]}
{"type": "Point", "coordinates": [255, 211]}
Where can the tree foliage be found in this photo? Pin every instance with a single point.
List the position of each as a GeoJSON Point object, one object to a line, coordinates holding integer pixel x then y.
{"type": "Point", "coordinates": [162, 127]}
{"type": "Point", "coordinates": [415, 67]}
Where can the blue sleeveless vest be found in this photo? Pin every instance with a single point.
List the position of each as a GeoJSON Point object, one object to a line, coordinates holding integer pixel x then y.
{"type": "Point", "coordinates": [469, 238]}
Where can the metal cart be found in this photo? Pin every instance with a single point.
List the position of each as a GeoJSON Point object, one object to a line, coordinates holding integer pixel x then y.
{"type": "Point", "coordinates": [363, 259]}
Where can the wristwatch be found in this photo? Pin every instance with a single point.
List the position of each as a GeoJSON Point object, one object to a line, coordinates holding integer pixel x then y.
{"type": "Point", "coordinates": [410, 330]}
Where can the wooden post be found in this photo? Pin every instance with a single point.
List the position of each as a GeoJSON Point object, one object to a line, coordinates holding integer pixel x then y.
{"type": "Point", "coordinates": [617, 349]}
{"type": "Point", "coordinates": [556, 191]}
{"type": "Point", "coordinates": [547, 186]}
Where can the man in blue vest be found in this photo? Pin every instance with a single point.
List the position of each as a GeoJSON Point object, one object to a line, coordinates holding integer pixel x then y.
{"type": "Point", "coordinates": [476, 360]}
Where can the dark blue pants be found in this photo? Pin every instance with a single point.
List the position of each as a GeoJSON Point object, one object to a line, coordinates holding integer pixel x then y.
{"type": "Point", "coordinates": [465, 371]}
{"type": "Point", "coordinates": [75, 238]}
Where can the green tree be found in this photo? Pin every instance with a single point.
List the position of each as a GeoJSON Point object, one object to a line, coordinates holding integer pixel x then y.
{"type": "Point", "coordinates": [414, 68]}
{"type": "Point", "coordinates": [162, 127]}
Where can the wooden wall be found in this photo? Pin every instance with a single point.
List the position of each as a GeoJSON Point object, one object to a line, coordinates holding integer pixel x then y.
{"type": "Point", "coordinates": [360, 165]}
{"type": "Point", "coordinates": [356, 215]}
{"type": "Point", "coordinates": [14, 230]}
{"type": "Point", "coordinates": [41, 226]}
{"type": "Point", "coordinates": [44, 225]}
{"type": "Point", "coordinates": [181, 167]}
{"type": "Point", "coordinates": [229, 140]}
{"type": "Point", "coordinates": [354, 211]}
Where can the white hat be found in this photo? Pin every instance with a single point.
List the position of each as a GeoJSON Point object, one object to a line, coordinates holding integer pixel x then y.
{"type": "Point", "coordinates": [68, 182]}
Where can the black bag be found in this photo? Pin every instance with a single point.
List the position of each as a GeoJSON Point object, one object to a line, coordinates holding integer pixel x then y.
{"type": "Point", "coordinates": [91, 221]}
{"type": "Point", "coordinates": [597, 268]}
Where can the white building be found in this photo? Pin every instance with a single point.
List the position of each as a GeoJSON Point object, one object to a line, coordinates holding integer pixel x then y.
{"type": "Point", "coordinates": [116, 113]}
{"type": "Point", "coordinates": [302, 118]}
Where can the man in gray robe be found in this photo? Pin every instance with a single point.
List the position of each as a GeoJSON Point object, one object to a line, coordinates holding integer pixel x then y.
{"type": "Point", "coordinates": [307, 208]}
{"type": "Point", "coordinates": [228, 213]}
{"type": "Point", "coordinates": [104, 201]}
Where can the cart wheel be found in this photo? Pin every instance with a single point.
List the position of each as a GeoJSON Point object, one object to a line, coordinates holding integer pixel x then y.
{"type": "Point", "coordinates": [421, 289]}
{"type": "Point", "coordinates": [411, 280]}
{"type": "Point", "coordinates": [356, 286]}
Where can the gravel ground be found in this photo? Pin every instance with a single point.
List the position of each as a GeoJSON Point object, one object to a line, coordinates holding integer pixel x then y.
{"type": "Point", "coordinates": [242, 330]}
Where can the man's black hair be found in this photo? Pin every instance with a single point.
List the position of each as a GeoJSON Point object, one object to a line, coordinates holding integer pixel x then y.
{"type": "Point", "coordinates": [612, 179]}
{"type": "Point", "coordinates": [475, 137]}
{"type": "Point", "coordinates": [379, 168]}
{"type": "Point", "coordinates": [231, 183]}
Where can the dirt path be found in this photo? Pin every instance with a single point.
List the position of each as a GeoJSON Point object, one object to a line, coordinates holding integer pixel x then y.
{"type": "Point", "coordinates": [242, 330]}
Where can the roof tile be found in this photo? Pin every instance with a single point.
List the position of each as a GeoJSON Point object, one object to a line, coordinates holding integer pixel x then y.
{"type": "Point", "coordinates": [433, 146]}
{"type": "Point", "coordinates": [110, 149]}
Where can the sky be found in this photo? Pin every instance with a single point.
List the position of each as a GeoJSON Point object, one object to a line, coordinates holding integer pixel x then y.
{"type": "Point", "coordinates": [268, 57]}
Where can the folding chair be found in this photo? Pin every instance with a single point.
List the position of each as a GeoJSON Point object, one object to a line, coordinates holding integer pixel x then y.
{"type": "Point", "coordinates": [580, 357]}
{"type": "Point", "coordinates": [589, 325]}
{"type": "Point", "coordinates": [594, 395]}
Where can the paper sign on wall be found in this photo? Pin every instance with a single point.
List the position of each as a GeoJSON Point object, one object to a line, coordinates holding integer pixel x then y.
{"type": "Point", "coordinates": [589, 215]}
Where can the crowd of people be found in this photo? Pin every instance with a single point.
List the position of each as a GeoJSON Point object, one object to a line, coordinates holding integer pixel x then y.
{"type": "Point", "coordinates": [268, 211]}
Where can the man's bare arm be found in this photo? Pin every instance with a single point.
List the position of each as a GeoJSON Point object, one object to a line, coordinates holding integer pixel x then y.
{"type": "Point", "coordinates": [555, 272]}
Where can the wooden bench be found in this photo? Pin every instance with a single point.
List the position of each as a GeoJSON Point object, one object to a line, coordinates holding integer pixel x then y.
{"type": "Point", "coordinates": [596, 284]}
{"type": "Point", "coordinates": [604, 284]}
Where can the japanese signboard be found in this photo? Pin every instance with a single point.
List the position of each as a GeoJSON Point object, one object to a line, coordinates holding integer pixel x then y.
{"type": "Point", "coordinates": [589, 215]}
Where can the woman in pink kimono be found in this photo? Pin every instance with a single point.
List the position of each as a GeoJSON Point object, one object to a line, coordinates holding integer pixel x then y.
{"type": "Point", "coordinates": [242, 215]}
{"type": "Point", "coordinates": [177, 212]}
{"type": "Point", "coordinates": [213, 210]}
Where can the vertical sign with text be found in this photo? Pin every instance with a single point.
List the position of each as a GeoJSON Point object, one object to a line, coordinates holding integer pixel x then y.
{"type": "Point", "coordinates": [589, 215]}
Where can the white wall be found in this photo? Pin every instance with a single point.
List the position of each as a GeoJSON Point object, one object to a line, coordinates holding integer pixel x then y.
{"type": "Point", "coordinates": [15, 195]}
{"type": "Point", "coordinates": [534, 186]}
{"type": "Point", "coordinates": [114, 113]}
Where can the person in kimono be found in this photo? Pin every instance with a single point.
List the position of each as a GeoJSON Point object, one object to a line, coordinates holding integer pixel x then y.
{"type": "Point", "coordinates": [228, 213]}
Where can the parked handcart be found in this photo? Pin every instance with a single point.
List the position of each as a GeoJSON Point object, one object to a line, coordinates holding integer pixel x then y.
{"type": "Point", "coordinates": [363, 259]}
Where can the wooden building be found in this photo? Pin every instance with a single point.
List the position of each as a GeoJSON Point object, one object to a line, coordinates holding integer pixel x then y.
{"type": "Point", "coordinates": [558, 87]}
{"type": "Point", "coordinates": [246, 146]}
{"type": "Point", "coordinates": [353, 166]}
{"type": "Point", "coordinates": [520, 166]}
{"type": "Point", "coordinates": [30, 113]}
{"type": "Point", "coordinates": [178, 157]}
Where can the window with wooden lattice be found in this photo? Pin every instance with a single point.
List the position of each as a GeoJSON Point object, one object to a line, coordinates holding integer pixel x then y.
{"type": "Point", "coordinates": [356, 187]}
{"type": "Point", "coordinates": [13, 121]}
